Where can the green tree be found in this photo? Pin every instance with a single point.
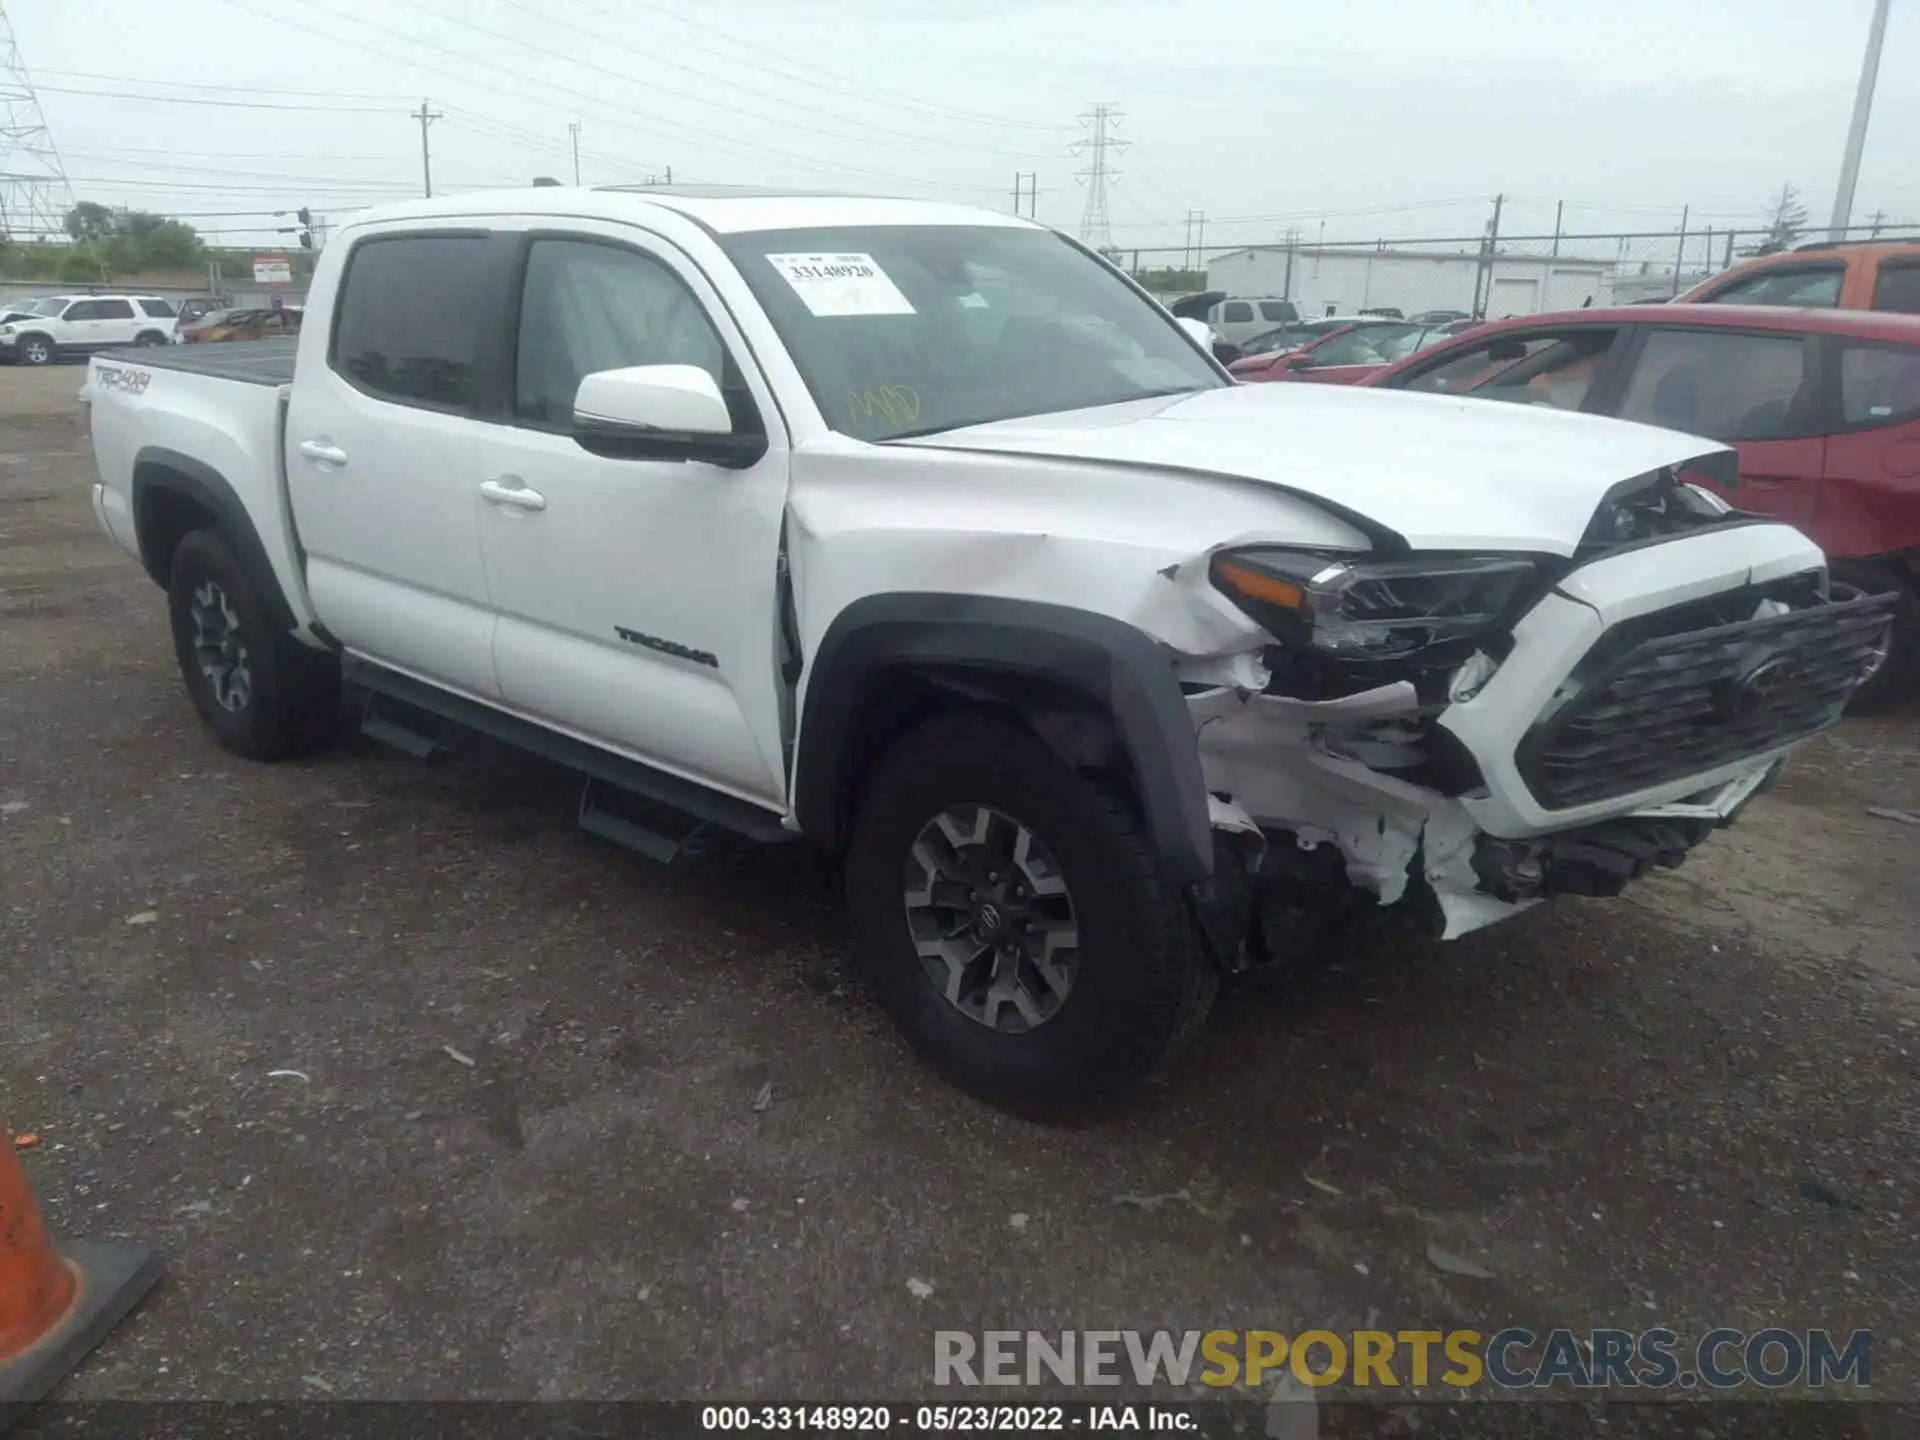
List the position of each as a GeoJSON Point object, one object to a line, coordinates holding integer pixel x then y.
{"type": "Point", "coordinates": [90, 221]}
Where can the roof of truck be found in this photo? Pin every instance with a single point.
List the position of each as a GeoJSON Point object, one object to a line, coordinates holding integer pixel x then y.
{"type": "Point", "coordinates": [723, 209]}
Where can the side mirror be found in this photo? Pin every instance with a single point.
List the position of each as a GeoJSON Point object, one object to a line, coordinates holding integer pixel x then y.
{"type": "Point", "coordinates": [1226, 352]}
{"type": "Point", "coordinates": [660, 412]}
{"type": "Point", "coordinates": [1298, 362]}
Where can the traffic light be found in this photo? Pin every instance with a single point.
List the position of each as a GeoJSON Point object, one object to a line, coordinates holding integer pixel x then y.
{"type": "Point", "coordinates": [305, 217]}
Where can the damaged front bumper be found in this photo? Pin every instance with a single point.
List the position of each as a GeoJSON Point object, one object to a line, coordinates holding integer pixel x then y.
{"type": "Point", "coordinates": [1617, 732]}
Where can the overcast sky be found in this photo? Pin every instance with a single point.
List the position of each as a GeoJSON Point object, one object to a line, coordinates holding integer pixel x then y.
{"type": "Point", "coordinates": [1397, 118]}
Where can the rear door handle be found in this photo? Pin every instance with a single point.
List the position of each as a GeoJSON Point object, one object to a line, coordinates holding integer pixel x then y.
{"type": "Point", "coordinates": [321, 453]}
{"type": "Point", "coordinates": [511, 490]}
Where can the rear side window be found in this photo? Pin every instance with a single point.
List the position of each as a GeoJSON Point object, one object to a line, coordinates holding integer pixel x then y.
{"type": "Point", "coordinates": [159, 309]}
{"type": "Point", "coordinates": [408, 321]}
{"type": "Point", "coordinates": [1879, 384]}
{"type": "Point", "coordinates": [1811, 285]}
{"type": "Point", "coordinates": [1236, 312]}
{"type": "Point", "coordinates": [1721, 384]}
{"type": "Point", "coordinates": [1897, 287]}
{"type": "Point", "coordinates": [1279, 311]}
{"type": "Point", "coordinates": [112, 310]}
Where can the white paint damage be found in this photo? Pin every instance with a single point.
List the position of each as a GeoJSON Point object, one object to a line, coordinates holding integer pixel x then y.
{"type": "Point", "coordinates": [1271, 755]}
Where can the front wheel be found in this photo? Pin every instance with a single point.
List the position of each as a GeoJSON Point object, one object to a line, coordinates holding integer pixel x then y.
{"type": "Point", "coordinates": [1898, 678]}
{"type": "Point", "coordinates": [264, 695]}
{"type": "Point", "coordinates": [36, 350]}
{"type": "Point", "coordinates": [1007, 912]}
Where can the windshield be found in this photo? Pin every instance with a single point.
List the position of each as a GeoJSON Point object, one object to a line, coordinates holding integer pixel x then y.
{"type": "Point", "coordinates": [909, 329]}
{"type": "Point", "coordinates": [43, 307]}
{"type": "Point", "coordinates": [1290, 337]}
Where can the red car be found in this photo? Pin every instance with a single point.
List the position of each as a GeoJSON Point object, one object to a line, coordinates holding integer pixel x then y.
{"type": "Point", "coordinates": [1335, 351]}
{"type": "Point", "coordinates": [1823, 407]}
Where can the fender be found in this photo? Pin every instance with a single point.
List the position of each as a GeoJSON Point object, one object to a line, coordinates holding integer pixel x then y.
{"type": "Point", "coordinates": [158, 469]}
{"type": "Point", "coordinates": [1112, 665]}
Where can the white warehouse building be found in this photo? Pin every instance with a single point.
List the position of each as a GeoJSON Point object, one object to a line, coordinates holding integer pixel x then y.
{"type": "Point", "coordinates": [1345, 280]}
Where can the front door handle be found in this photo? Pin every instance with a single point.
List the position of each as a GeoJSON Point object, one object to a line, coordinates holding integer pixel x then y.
{"type": "Point", "coordinates": [321, 453]}
{"type": "Point", "coordinates": [511, 490]}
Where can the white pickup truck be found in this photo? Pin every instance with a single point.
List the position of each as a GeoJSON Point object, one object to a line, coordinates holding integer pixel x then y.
{"type": "Point", "coordinates": [921, 532]}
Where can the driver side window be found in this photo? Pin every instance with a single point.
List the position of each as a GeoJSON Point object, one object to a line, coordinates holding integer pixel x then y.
{"type": "Point", "coordinates": [586, 307]}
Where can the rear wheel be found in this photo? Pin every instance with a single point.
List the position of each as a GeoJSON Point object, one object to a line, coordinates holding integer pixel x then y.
{"type": "Point", "coordinates": [36, 350]}
{"type": "Point", "coordinates": [263, 694]}
{"type": "Point", "coordinates": [148, 338]}
{"type": "Point", "coordinates": [1007, 913]}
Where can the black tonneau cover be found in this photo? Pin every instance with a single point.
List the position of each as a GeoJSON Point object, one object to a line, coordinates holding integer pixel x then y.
{"type": "Point", "coordinates": [253, 362]}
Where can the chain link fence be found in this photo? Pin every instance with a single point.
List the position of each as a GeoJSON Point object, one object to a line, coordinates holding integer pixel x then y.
{"type": "Point", "coordinates": [1474, 275]}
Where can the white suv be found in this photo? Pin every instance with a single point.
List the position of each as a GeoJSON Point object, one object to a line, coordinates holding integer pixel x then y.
{"type": "Point", "coordinates": [82, 324]}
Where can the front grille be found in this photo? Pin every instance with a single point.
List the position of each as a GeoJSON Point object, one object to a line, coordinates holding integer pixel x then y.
{"type": "Point", "coordinates": [1665, 708]}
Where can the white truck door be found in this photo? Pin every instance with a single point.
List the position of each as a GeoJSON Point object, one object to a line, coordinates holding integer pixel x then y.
{"type": "Point", "coordinates": [383, 461]}
{"type": "Point", "coordinates": [636, 599]}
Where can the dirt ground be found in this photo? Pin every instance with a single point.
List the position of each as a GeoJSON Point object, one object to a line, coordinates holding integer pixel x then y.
{"type": "Point", "coordinates": [519, 1155]}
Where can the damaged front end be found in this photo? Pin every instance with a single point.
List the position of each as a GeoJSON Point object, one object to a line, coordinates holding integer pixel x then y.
{"type": "Point", "coordinates": [1451, 738]}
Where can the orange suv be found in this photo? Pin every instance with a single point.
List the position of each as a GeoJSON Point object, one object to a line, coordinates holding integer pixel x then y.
{"type": "Point", "coordinates": [1829, 275]}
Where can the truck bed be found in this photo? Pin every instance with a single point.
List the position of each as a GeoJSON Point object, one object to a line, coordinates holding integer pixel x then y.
{"type": "Point", "coordinates": [253, 362]}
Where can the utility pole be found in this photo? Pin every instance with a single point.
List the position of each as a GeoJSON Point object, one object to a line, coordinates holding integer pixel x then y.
{"type": "Point", "coordinates": [1680, 256]}
{"type": "Point", "coordinates": [426, 117]}
{"type": "Point", "coordinates": [573, 129]}
{"type": "Point", "coordinates": [1286, 286]}
{"type": "Point", "coordinates": [1559, 209]}
{"type": "Point", "coordinates": [1489, 250]}
{"type": "Point", "coordinates": [1096, 228]}
{"type": "Point", "coordinates": [1857, 130]}
{"type": "Point", "coordinates": [1032, 182]}
{"type": "Point", "coordinates": [1875, 223]}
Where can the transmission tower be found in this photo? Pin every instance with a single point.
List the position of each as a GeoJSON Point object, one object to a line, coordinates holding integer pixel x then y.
{"type": "Point", "coordinates": [1100, 123]}
{"type": "Point", "coordinates": [34, 195]}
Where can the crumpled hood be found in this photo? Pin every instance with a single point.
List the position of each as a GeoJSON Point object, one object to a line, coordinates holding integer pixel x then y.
{"type": "Point", "coordinates": [1441, 472]}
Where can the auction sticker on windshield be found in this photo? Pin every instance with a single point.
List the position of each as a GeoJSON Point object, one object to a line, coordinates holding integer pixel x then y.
{"type": "Point", "coordinates": [842, 285]}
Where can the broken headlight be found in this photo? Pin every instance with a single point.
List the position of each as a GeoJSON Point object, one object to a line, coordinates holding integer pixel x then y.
{"type": "Point", "coordinates": [1369, 609]}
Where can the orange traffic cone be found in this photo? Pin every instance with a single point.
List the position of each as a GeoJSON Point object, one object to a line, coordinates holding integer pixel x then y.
{"type": "Point", "coordinates": [54, 1308]}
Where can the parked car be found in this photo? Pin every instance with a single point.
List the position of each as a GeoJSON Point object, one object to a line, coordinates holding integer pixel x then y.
{"type": "Point", "coordinates": [1822, 407]}
{"type": "Point", "coordinates": [1343, 352]}
{"type": "Point", "coordinates": [28, 309]}
{"type": "Point", "coordinates": [1237, 320]}
{"type": "Point", "coordinates": [200, 306]}
{"type": "Point", "coordinates": [83, 324]}
{"type": "Point", "coordinates": [240, 325]}
{"type": "Point", "coordinates": [921, 534]}
{"type": "Point", "coordinates": [1849, 275]}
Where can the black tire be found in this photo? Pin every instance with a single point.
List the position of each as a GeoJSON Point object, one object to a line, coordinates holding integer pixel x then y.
{"type": "Point", "coordinates": [36, 350]}
{"type": "Point", "coordinates": [1898, 679]}
{"type": "Point", "coordinates": [1143, 986]}
{"type": "Point", "coordinates": [290, 698]}
{"type": "Point", "coordinates": [149, 338]}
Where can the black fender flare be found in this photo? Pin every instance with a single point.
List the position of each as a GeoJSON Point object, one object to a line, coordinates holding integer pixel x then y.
{"type": "Point", "coordinates": [1112, 665]}
{"type": "Point", "coordinates": [156, 469]}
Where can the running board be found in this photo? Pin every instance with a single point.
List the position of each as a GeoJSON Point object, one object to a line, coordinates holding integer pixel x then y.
{"type": "Point", "coordinates": [624, 800]}
{"type": "Point", "coordinates": [630, 820]}
{"type": "Point", "coordinates": [391, 724]}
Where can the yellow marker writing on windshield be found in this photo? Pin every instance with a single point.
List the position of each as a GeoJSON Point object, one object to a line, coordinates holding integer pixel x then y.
{"type": "Point", "coordinates": [896, 402]}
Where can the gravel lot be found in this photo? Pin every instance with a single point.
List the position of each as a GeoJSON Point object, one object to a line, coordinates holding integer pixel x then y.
{"type": "Point", "coordinates": [1695, 1106]}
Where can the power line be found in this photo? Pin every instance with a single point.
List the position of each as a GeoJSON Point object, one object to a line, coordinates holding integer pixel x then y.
{"type": "Point", "coordinates": [222, 104]}
{"type": "Point", "coordinates": [547, 90]}
{"type": "Point", "coordinates": [550, 18]}
{"type": "Point", "coordinates": [694, 97]}
{"type": "Point", "coordinates": [861, 90]}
